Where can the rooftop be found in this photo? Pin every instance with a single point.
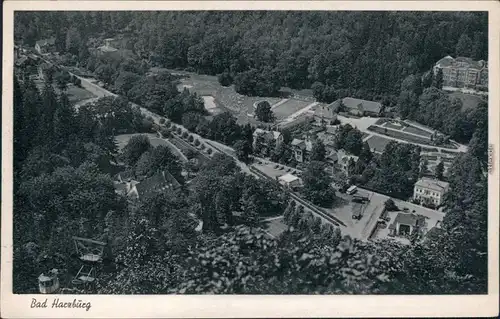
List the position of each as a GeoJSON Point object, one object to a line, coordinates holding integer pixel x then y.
{"type": "Point", "coordinates": [288, 178]}
{"type": "Point", "coordinates": [432, 184]}
{"type": "Point", "coordinates": [408, 219]}
{"type": "Point", "coordinates": [107, 49]}
{"type": "Point", "coordinates": [449, 61]}
{"type": "Point", "coordinates": [298, 142]}
{"type": "Point", "coordinates": [266, 134]}
{"type": "Point", "coordinates": [325, 111]}
{"type": "Point", "coordinates": [363, 105]}
{"type": "Point", "coordinates": [160, 181]}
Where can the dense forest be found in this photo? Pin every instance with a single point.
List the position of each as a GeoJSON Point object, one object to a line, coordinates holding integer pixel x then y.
{"type": "Point", "coordinates": [63, 158]}
{"type": "Point", "coordinates": [363, 53]}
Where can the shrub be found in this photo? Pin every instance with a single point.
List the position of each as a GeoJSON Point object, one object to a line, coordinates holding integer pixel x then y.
{"type": "Point", "coordinates": [190, 138]}
{"type": "Point", "coordinates": [390, 205]}
{"type": "Point", "coordinates": [184, 135]}
{"type": "Point", "coordinates": [190, 153]}
{"type": "Point", "coordinates": [168, 124]}
{"type": "Point", "coordinates": [197, 142]}
{"type": "Point", "coordinates": [179, 130]}
{"type": "Point", "coordinates": [165, 132]}
{"type": "Point", "coordinates": [209, 151]}
{"type": "Point", "coordinates": [162, 120]}
{"type": "Point", "coordinates": [202, 146]}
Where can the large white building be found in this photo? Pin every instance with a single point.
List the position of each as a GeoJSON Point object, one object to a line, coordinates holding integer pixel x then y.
{"type": "Point", "coordinates": [430, 191]}
{"type": "Point", "coordinates": [290, 181]}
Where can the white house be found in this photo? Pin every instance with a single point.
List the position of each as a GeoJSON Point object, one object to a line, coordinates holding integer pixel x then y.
{"type": "Point", "coordinates": [430, 191]}
{"type": "Point", "coordinates": [289, 180]}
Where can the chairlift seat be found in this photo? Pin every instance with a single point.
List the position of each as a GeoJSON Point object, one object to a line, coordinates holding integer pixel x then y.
{"type": "Point", "coordinates": [91, 258]}
{"type": "Point", "coordinates": [76, 281]}
{"type": "Point", "coordinates": [86, 279]}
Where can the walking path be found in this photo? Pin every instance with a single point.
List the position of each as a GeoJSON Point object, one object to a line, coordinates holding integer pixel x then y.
{"type": "Point", "coordinates": [293, 116]}
{"type": "Point", "coordinates": [278, 104]}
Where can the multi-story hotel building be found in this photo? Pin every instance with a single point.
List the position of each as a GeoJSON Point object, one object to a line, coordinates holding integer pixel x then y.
{"type": "Point", "coordinates": [463, 72]}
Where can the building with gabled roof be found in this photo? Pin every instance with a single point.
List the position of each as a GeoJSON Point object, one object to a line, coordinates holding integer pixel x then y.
{"type": "Point", "coordinates": [301, 149]}
{"type": "Point", "coordinates": [264, 138]}
{"type": "Point", "coordinates": [159, 182]}
{"type": "Point", "coordinates": [357, 106]}
{"type": "Point", "coordinates": [406, 224]}
{"type": "Point", "coordinates": [325, 114]}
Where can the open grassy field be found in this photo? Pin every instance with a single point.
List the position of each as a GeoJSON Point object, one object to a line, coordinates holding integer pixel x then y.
{"type": "Point", "coordinates": [289, 107]}
{"type": "Point", "coordinates": [469, 101]}
{"type": "Point", "coordinates": [225, 98]}
{"type": "Point", "coordinates": [416, 130]}
{"type": "Point", "coordinates": [378, 143]}
{"type": "Point", "coordinates": [75, 94]}
{"type": "Point", "coordinates": [275, 226]}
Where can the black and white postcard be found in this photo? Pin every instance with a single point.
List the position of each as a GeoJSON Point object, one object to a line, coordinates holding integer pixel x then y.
{"type": "Point", "coordinates": [250, 159]}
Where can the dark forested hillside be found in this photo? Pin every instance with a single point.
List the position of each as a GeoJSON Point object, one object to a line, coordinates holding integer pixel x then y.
{"type": "Point", "coordinates": [365, 53]}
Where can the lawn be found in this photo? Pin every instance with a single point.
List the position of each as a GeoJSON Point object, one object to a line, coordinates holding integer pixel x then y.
{"type": "Point", "coordinates": [430, 157]}
{"type": "Point", "coordinates": [403, 136]}
{"type": "Point", "coordinates": [275, 227]}
{"type": "Point", "coordinates": [184, 147]}
{"type": "Point", "coordinates": [122, 139]}
{"type": "Point", "coordinates": [381, 121]}
{"type": "Point", "coordinates": [429, 149]}
{"type": "Point", "coordinates": [378, 143]}
{"type": "Point", "coordinates": [416, 130]}
{"type": "Point", "coordinates": [394, 126]}
{"type": "Point", "coordinates": [289, 107]}
{"type": "Point", "coordinates": [240, 103]}
{"type": "Point", "coordinates": [448, 152]}
{"type": "Point", "coordinates": [225, 98]}
{"type": "Point", "coordinates": [469, 101]}
{"type": "Point", "coordinates": [75, 94]}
